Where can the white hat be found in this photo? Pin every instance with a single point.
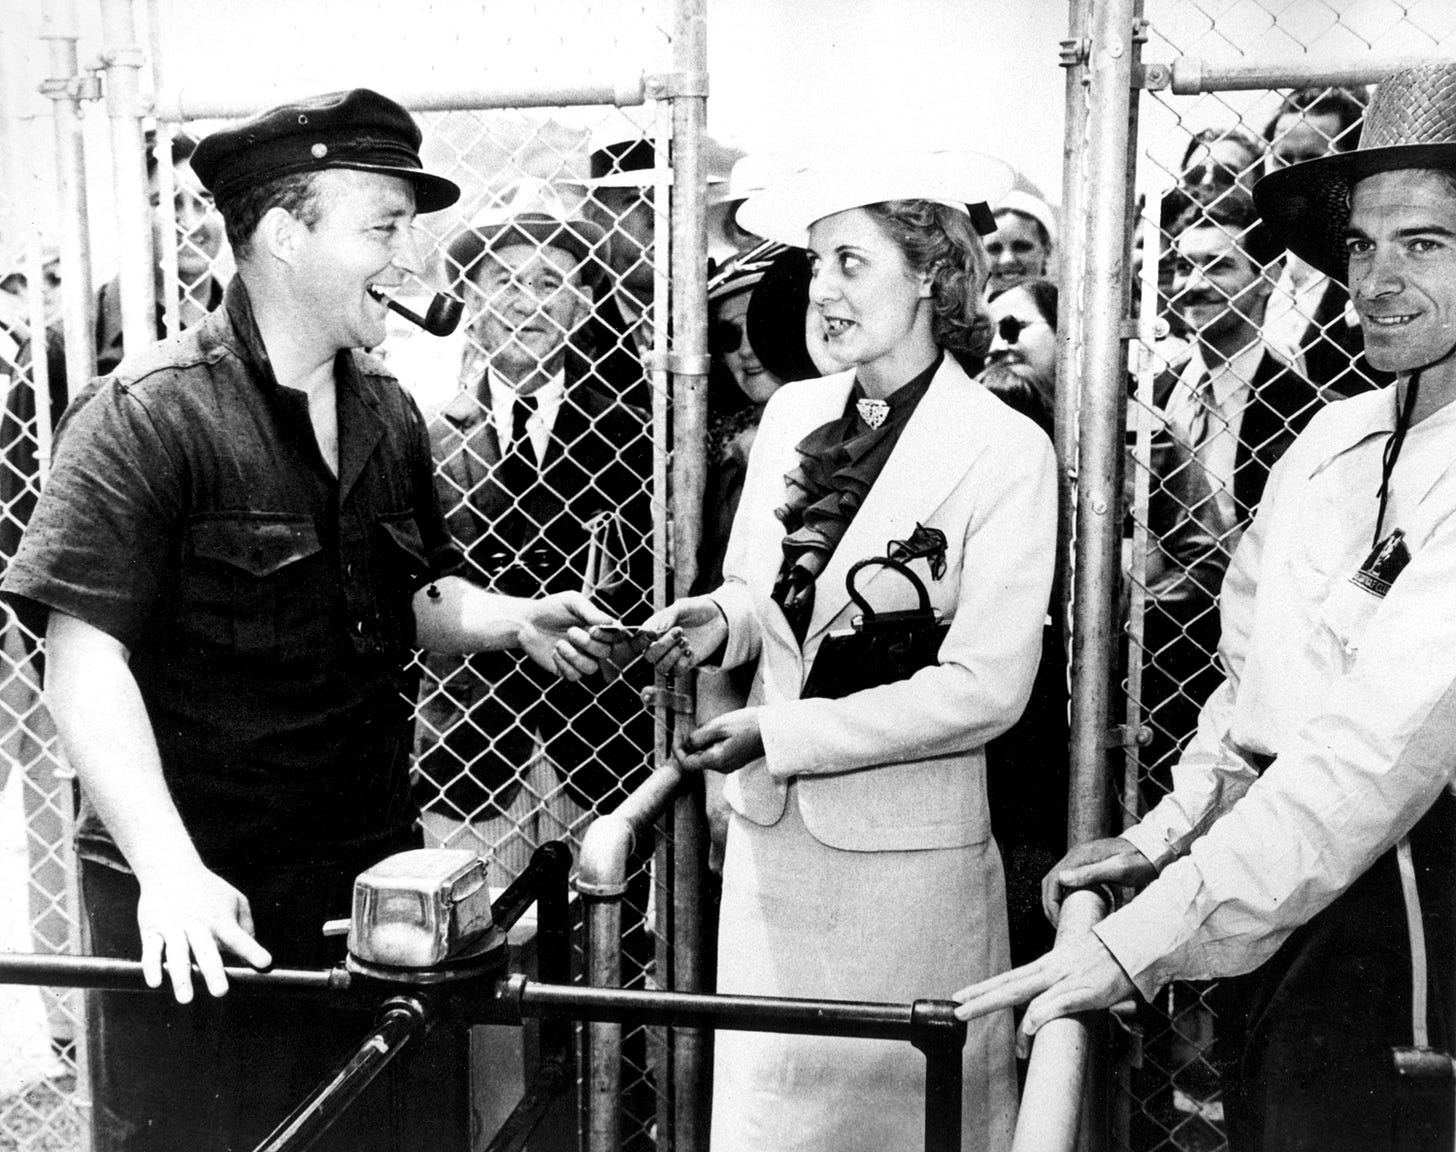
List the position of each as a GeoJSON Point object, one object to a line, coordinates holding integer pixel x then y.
{"type": "Point", "coordinates": [1025, 204]}
{"type": "Point", "coordinates": [954, 178]}
{"type": "Point", "coordinates": [749, 176]}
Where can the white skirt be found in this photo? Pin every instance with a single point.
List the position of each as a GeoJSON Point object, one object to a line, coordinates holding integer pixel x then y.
{"type": "Point", "coordinates": [802, 919]}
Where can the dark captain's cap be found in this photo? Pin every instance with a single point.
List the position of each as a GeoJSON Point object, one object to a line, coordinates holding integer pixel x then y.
{"type": "Point", "coordinates": [357, 129]}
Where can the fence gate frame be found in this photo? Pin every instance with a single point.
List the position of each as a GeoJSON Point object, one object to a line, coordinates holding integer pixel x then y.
{"type": "Point", "coordinates": [677, 363]}
{"type": "Point", "coordinates": [1106, 80]}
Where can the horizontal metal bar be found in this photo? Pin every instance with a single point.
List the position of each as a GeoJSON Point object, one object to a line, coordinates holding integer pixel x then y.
{"type": "Point", "coordinates": [731, 1013]}
{"type": "Point", "coordinates": [623, 89]}
{"type": "Point", "coordinates": [126, 975]}
{"type": "Point", "coordinates": [508, 994]}
{"type": "Point", "coordinates": [1191, 76]}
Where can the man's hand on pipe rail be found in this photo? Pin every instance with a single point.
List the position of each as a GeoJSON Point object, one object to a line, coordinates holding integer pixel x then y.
{"type": "Point", "coordinates": [724, 744]}
{"type": "Point", "coordinates": [190, 914]}
{"type": "Point", "coordinates": [1110, 861]}
{"type": "Point", "coordinates": [689, 631]}
{"type": "Point", "coordinates": [1078, 975]}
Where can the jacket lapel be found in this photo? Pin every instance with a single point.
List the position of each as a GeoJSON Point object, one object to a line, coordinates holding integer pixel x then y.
{"type": "Point", "coordinates": [932, 455]}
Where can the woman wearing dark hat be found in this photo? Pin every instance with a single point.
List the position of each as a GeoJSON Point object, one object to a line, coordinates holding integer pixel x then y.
{"type": "Point", "coordinates": [740, 385]}
{"type": "Point", "coordinates": [859, 862]}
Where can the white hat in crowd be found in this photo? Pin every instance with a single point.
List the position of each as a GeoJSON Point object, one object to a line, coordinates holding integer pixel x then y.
{"type": "Point", "coordinates": [958, 179]}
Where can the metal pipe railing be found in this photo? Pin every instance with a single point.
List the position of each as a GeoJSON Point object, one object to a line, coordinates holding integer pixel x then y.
{"type": "Point", "coordinates": [1190, 77]}
{"type": "Point", "coordinates": [1102, 403]}
{"type": "Point", "coordinates": [601, 880]}
{"type": "Point", "coordinates": [403, 1022]}
{"type": "Point", "coordinates": [624, 87]}
{"type": "Point", "coordinates": [929, 1025]}
{"type": "Point", "coordinates": [1057, 1074]}
{"type": "Point", "coordinates": [688, 361]}
{"type": "Point", "coordinates": [123, 60]}
{"type": "Point", "coordinates": [65, 88]}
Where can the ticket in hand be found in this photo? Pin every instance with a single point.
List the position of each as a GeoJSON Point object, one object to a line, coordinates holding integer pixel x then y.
{"type": "Point", "coordinates": [635, 636]}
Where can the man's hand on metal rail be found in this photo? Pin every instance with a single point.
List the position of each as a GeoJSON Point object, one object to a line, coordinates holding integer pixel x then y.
{"type": "Point", "coordinates": [187, 915]}
{"type": "Point", "coordinates": [1078, 975]}
{"type": "Point", "coordinates": [1111, 861]}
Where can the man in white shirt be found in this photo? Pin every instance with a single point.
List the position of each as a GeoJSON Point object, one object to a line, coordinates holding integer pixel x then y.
{"type": "Point", "coordinates": [544, 480]}
{"type": "Point", "coordinates": [1309, 837]}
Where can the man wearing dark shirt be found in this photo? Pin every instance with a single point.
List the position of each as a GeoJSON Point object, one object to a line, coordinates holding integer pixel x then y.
{"type": "Point", "coordinates": [237, 550]}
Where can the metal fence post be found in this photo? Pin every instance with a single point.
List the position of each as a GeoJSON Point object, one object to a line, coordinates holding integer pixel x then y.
{"type": "Point", "coordinates": [66, 88]}
{"type": "Point", "coordinates": [1099, 382]}
{"type": "Point", "coordinates": [1106, 51]}
{"type": "Point", "coordinates": [124, 60]}
{"type": "Point", "coordinates": [689, 364]}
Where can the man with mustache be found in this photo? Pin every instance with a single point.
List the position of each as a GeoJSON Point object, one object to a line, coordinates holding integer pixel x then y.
{"type": "Point", "coordinates": [1235, 406]}
{"type": "Point", "coordinates": [1308, 844]}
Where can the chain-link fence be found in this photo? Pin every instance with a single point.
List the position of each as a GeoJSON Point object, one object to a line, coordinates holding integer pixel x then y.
{"type": "Point", "coordinates": [1240, 345]}
{"type": "Point", "coordinates": [549, 413]}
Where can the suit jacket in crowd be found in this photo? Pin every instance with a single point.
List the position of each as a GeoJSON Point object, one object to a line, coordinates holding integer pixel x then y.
{"type": "Point", "coordinates": [1280, 404]}
{"type": "Point", "coordinates": [526, 533]}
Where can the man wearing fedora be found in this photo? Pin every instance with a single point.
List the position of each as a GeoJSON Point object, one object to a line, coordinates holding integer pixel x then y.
{"type": "Point", "coordinates": [619, 203]}
{"type": "Point", "coordinates": [545, 482]}
{"type": "Point", "coordinates": [1309, 838]}
{"type": "Point", "coordinates": [238, 549]}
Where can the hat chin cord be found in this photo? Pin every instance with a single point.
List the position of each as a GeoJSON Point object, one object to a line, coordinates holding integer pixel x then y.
{"type": "Point", "coordinates": [1397, 437]}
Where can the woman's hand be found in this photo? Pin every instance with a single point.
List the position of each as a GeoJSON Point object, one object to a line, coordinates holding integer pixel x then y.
{"type": "Point", "coordinates": [724, 744]}
{"type": "Point", "coordinates": [689, 631]}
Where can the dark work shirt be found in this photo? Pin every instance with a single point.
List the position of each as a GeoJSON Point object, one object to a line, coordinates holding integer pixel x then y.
{"type": "Point", "coordinates": [266, 605]}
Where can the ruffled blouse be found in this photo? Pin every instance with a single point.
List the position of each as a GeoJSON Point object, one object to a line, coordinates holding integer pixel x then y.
{"type": "Point", "coordinates": [838, 465]}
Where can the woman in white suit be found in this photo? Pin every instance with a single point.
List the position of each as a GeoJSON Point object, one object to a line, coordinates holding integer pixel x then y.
{"type": "Point", "coordinates": [859, 863]}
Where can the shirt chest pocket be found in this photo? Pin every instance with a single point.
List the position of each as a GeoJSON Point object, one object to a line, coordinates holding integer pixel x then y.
{"type": "Point", "coordinates": [254, 583]}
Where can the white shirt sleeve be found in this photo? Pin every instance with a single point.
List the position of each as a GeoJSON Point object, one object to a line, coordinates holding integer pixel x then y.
{"type": "Point", "coordinates": [1354, 778]}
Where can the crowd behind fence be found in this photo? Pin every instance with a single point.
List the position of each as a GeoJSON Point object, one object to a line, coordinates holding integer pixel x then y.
{"type": "Point", "coordinates": [1192, 157]}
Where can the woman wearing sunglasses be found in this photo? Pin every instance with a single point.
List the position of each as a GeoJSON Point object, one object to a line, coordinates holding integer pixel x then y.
{"type": "Point", "coordinates": [1024, 345]}
{"type": "Point", "coordinates": [859, 863]}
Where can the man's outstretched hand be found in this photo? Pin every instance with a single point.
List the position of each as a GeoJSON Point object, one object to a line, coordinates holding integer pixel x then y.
{"type": "Point", "coordinates": [1078, 975]}
{"type": "Point", "coordinates": [188, 915]}
{"type": "Point", "coordinates": [555, 633]}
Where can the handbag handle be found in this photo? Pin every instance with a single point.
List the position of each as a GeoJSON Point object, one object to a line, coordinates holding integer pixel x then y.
{"type": "Point", "coordinates": [883, 562]}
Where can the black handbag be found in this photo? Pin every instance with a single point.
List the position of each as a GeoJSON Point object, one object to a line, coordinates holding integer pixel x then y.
{"type": "Point", "coordinates": [881, 647]}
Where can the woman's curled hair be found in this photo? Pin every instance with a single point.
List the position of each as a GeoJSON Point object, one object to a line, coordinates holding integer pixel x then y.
{"type": "Point", "coordinates": [939, 240]}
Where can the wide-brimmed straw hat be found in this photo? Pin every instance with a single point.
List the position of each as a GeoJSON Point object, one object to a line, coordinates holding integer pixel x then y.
{"type": "Point", "coordinates": [530, 211]}
{"type": "Point", "coordinates": [959, 179]}
{"type": "Point", "coordinates": [1411, 123]}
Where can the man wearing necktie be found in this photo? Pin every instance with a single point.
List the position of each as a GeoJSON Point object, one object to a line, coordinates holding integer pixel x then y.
{"type": "Point", "coordinates": [1235, 405]}
{"type": "Point", "coordinates": [545, 482]}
